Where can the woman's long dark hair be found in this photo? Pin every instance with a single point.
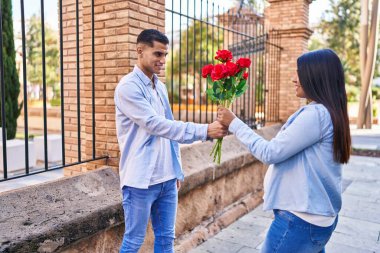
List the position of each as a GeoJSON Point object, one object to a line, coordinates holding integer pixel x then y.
{"type": "Point", "coordinates": [322, 78]}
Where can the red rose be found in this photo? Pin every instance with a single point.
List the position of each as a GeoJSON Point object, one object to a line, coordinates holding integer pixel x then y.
{"type": "Point", "coordinates": [220, 71]}
{"type": "Point", "coordinates": [243, 62]}
{"type": "Point", "coordinates": [232, 68]}
{"type": "Point", "coordinates": [223, 55]}
{"type": "Point", "coordinates": [245, 75]}
{"type": "Point", "coordinates": [206, 70]}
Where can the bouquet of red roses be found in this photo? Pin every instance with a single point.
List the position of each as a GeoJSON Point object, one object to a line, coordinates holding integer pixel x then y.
{"type": "Point", "coordinates": [226, 81]}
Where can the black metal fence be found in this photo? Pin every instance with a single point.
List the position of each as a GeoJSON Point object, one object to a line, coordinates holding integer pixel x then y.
{"type": "Point", "coordinates": [7, 172]}
{"type": "Point", "coordinates": [197, 29]}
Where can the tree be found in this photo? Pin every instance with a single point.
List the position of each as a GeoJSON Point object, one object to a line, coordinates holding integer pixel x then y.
{"type": "Point", "coordinates": [207, 41]}
{"type": "Point", "coordinates": [34, 53]}
{"type": "Point", "coordinates": [368, 46]}
{"type": "Point", "coordinates": [340, 28]}
{"type": "Point", "coordinates": [11, 81]}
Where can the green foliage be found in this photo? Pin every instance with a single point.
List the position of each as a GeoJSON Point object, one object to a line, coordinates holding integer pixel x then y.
{"type": "Point", "coordinates": [340, 27]}
{"type": "Point", "coordinates": [11, 81]}
{"type": "Point", "coordinates": [340, 31]}
{"type": "Point", "coordinates": [353, 93]}
{"type": "Point", "coordinates": [376, 92]}
{"type": "Point", "coordinates": [207, 41]}
{"type": "Point", "coordinates": [34, 53]}
{"type": "Point", "coordinates": [315, 43]}
{"type": "Point", "coordinates": [55, 102]}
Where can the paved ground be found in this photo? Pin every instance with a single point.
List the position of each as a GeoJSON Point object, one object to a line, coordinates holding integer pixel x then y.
{"type": "Point", "coordinates": [31, 180]}
{"type": "Point", "coordinates": [358, 230]}
{"type": "Point", "coordinates": [366, 138]}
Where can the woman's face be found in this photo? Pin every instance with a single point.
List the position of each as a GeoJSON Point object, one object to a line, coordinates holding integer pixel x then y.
{"type": "Point", "coordinates": [297, 85]}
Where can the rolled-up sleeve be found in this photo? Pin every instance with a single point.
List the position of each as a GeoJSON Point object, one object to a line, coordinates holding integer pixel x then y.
{"type": "Point", "coordinates": [131, 101]}
{"type": "Point", "coordinates": [303, 132]}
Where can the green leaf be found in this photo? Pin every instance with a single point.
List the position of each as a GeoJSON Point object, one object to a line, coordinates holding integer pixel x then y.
{"type": "Point", "coordinates": [228, 84]}
{"type": "Point", "coordinates": [209, 80]}
{"type": "Point", "coordinates": [240, 74]}
{"type": "Point", "coordinates": [241, 84]}
{"type": "Point", "coordinates": [241, 92]}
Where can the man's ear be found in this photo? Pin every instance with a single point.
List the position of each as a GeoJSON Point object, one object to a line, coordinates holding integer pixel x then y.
{"type": "Point", "coordinates": [140, 48]}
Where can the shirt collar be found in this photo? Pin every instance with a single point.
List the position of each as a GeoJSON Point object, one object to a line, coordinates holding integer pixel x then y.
{"type": "Point", "coordinates": [146, 80]}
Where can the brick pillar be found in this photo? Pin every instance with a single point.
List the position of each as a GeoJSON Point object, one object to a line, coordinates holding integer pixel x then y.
{"type": "Point", "coordinates": [70, 80]}
{"type": "Point", "coordinates": [117, 24]}
{"type": "Point", "coordinates": [290, 18]}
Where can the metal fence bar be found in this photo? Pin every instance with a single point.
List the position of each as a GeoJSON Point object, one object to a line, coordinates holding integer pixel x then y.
{"type": "Point", "coordinates": [78, 80]}
{"type": "Point", "coordinates": [93, 76]}
{"type": "Point", "coordinates": [44, 84]}
{"type": "Point", "coordinates": [172, 61]}
{"type": "Point", "coordinates": [62, 88]}
{"type": "Point", "coordinates": [245, 36]}
{"type": "Point", "coordinates": [194, 54]}
{"type": "Point", "coordinates": [265, 90]}
{"type": "Point", "coordinates": [46, 167]}
{"type": "Point", "coordinates": [200, 65]}
{"type": "Point", "coordinates": [213, 51]}
{"type": "Point", "coordinates": [3, 116]}
{"type": "Point", "coordinates": [57, 167]}
{"type": "Point", "coordinates": [248, 31]}
{"type": "Point", "coordinates": [209, 23]}
{"type": "Point", "coordinates": [180, 63]}
{"type": "Point", "coordinates": [26, 138]}
{"type": "Point", "coordinates": [187, 62]}
{"type": "Point", "coordinates": [207, 59]}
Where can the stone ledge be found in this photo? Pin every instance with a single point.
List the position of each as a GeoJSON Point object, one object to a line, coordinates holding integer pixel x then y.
{"type": "Point", "coordinates": [199, 168]}
{"type": "Point", "coordinates": [45, 217]}
{"type": "Point", "coordinates": [55, 215]}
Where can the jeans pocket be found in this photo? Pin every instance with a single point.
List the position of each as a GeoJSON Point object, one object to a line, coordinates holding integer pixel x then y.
{"type": "Point", "coordinates": [320, 235]}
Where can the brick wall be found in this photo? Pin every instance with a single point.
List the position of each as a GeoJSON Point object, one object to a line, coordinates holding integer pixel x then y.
{"type": "Point", "coordinates": [117, 24]}
{"type": "Point", "coordinates": [70, 79]}
{"type": "Point", "coordinates": [290, 18]}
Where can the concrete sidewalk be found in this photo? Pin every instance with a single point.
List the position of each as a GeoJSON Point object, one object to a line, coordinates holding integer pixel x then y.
{"type": "Point", "coordinates": [358, 230]}
{"type": "Point", "coordinates": [366, 138]}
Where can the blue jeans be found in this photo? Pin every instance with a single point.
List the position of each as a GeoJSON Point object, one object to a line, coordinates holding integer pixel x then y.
{"type": "Point", "coordinates": [290, 234]}
{"type": "Point", "coordinates": [159, 202]}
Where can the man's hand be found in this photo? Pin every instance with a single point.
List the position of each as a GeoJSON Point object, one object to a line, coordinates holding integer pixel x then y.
{"type": "Point", "coordinates": [225, 116]}
{"type": "Point", "coordinates": [216, 130]}
{"type": "Point", "coordinates": [178, 185]}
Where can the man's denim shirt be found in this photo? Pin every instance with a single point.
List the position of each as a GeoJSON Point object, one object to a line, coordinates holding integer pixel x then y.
{"type": "Point", "coordinates": [305, 177]}
{"type": "Point", "coordinates": [139, 126]}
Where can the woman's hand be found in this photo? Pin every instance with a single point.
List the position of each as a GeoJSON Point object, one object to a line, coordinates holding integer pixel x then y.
{"type": "Point", "coordinates": [225, 116]}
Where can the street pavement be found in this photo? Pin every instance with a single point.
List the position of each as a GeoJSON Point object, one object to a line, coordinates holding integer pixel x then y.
{"type": "Point", "coordinates": [358, 229]}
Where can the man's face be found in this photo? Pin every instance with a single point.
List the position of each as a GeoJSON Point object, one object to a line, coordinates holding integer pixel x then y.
{"type": "Point", "coordinates": [152, 59]}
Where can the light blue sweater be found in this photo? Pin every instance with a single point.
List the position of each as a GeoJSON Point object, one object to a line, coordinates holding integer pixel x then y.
{"type": "Point", "coordinates": [305, 176]}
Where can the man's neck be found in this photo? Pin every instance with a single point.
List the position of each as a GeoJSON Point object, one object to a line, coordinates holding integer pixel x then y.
{"type": "Point", "coordinates": [147, 73]}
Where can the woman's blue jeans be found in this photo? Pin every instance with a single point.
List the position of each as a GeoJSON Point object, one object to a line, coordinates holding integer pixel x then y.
{"type": "Point", "coordinates": [159, 202]}
{"type": "Point", "coordinates": [290, 234]}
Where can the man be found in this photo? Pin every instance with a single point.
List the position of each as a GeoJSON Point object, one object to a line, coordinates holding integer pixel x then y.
{"type": "Point", "coordinates": [148, 136]}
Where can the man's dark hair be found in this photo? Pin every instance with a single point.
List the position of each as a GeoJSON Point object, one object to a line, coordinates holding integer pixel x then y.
{"type": "Point", "coordinates": [148, 36]}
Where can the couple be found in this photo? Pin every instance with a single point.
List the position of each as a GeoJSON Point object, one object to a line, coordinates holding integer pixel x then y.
{"type": "Point", "coordinates": [302, 187]}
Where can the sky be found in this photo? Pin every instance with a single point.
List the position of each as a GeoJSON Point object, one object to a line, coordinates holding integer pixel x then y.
{"type": "Point", "coordinates": [51, 13]}
{"type": "Point", "coordinates": [316, 9]}
{"type": "Point", "coordinates": [34, 7]}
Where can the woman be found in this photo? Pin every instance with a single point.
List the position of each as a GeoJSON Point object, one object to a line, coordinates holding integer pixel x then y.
{"type": "Point", "coordinates": [303, 184]}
